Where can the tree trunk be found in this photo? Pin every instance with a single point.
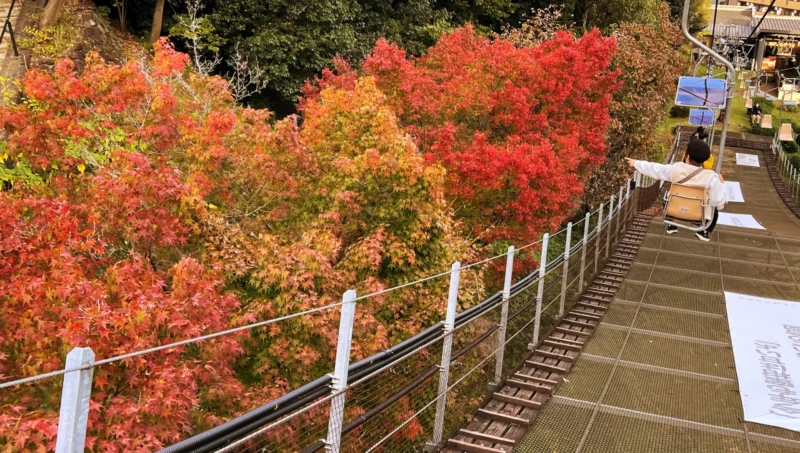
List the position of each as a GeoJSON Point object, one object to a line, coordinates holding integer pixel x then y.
{"type": "Point", "coordinates": [122, 9]}
{"type": "Point", "coordinates": [579, 13]}
{"type": "Point", "coordinates": [158, 16]}
{"type": "Point", "coordinates": [51, 13]}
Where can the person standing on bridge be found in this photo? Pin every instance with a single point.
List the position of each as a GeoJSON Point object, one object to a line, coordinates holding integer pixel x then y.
{"type": "Point", "coordinates": [690, 172]}
{"type": "Point", "coordinates": [699, 134]}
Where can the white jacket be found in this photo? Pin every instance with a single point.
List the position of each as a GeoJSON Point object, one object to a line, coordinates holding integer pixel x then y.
{"type": "Point", "coordinates": [707, 179]}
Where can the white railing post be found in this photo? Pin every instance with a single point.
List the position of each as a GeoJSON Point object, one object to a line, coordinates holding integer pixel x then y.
{"type": "Point", "coordinates": [447, 347]}
{"type": "Point", "coordinates": [619, 215]}
{"type": "Point", "coordinates": [75, 397]}
{"type": "Point", "coordinates": [565, 272]}
{"type": "Point", "coordinates": [627, 201]}
{"type": "Point", "coordinates": [342, 366]}
{"type": "Point", "coordinates": [586, 221]}
{"type": "Point", "coordinates": [501, 333]}
{"type": "Point", "coordinates": [599, 229]}
{"type": "Point", "coordinates": [608, 226]}
{"type": "Point", "coordinates": [540, 292]}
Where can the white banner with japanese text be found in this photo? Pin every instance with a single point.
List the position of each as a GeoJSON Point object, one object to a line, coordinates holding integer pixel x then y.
{"type": "Point", "coordinates": [766, 346]}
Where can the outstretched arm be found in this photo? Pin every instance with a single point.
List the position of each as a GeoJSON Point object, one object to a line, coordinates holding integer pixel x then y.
{"type": "Point", "coordinates": [651, 169]}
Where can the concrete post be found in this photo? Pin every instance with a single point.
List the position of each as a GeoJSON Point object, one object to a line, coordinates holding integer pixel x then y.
{"type": "Point", "coordinates": [75, 397]}
{"type": "Point", "coordinates": [447, 349]}
{"type": "Point", "coordinates": [540, 292]}
{"type": "Point", "coordinates": [565, 271]}
{"type": "Point", "coordinates": [342, 366]}
{"type": "Point", "coordinates": [583, 248]}
{"type": "Point", "coordinates": [501, 334]}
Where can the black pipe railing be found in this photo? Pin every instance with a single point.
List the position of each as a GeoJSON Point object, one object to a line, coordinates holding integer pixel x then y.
{"type": "Point", "coordinates": [245, 424]}
{"type": "Point", "coordinates": [7, 26]}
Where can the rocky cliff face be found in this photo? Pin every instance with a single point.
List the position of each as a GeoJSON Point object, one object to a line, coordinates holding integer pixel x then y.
{"type": "Point", "coordinates": [91, 32]}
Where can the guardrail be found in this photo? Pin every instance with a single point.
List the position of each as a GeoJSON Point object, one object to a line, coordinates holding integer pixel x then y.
{"type": "Point", "coordinates": [411, 395]}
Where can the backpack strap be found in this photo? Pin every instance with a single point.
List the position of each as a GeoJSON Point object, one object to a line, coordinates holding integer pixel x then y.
{"type": "Point", "coordinates": [692, 175]}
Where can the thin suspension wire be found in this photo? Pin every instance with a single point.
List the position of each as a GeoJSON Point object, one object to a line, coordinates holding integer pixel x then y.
{"type": "Point", "coordinates": [352, 385]}
{"type": "Point", "coordinates": [163, 347]}
{"type": "Point", "coordinates": [250, 326]}
{"type": "Point", "coordinates": [491, 355]}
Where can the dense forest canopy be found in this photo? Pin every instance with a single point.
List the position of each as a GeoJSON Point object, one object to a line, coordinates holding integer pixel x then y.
{"type": "Point", "coordinates": [151, 200]}
{"type": "Point", "coordinates": [294, 40]}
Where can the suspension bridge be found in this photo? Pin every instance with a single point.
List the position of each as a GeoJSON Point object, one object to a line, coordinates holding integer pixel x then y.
{"type": "Point", "coordinates": [618, 342]}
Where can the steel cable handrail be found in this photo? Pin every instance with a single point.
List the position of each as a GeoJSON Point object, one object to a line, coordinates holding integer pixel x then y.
{"type": "Point", "coordinates": [188, 341]}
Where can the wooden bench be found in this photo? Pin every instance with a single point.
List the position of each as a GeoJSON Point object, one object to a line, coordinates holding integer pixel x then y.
{"type": "Point", "coordinates": [785, 133]}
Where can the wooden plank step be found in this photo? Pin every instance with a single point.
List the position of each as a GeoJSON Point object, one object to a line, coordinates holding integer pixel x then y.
{"type": "Point", "coordinates": [589, 305]}
{"type": "Point", "coordinates": [610, 276]}
{"type": "Point", "coordinates": [573, 332]}
{"type": "Point", "coordinates": [516, 400]}
{"type": "Point", "coordinates": [584, 314]}
{"type": "Point", "coordinates": [486, 437]}
{"type": "Point", "coordinates": [545, 366]}
{"type": "Point", "coordinates": [472, 448]}
{"type": "Point", "coordinates": [532, 386]}
{"type": "Point", "coordinates": [601, 292]}
{"type": "Point", "coordinates": [607, 270]}
{"type": "Point", "coordinates": [564, 340]}
{"type": "Point", "coordinates": [595, 298]}
{"type": "Point", "coordinates": [556, 344]}
{"type": "Point", "coordinates": [608, 282]}
{"type": "Point", "coordinates": [579, 323]}
{"type": "Point", "coordinates": [535, 379]}
{"type": "Point", "coordinates": [503, 417]}
{"type": "Point", "coordinates": [554, 355]}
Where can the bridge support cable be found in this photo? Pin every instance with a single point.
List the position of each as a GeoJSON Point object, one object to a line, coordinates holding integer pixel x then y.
{"type": "Point", "coordinates": [399, 382]}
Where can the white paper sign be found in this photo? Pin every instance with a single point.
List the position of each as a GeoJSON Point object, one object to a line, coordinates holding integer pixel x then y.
{"type": "Point", "coordinates": [739, 220]}
{"type": "Point", "coordinates": [766, 346]}
{"type": "Point", "coordinates": [750, 160]}
{"type": "Point", "coordinates": [733, 190]}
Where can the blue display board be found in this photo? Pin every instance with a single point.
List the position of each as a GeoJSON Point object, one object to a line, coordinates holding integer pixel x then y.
{"type": "Point", "coordinates": [700, 117]}
{"type": "Point", "coordinates": [701, 92]}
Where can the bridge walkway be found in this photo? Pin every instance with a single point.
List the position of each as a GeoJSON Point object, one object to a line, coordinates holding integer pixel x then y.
{"type": "Point", "coordinates": [659, 374]}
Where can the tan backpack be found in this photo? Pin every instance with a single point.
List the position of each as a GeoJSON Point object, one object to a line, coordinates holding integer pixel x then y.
{"type": "Point", "coordinates": [685, 202]}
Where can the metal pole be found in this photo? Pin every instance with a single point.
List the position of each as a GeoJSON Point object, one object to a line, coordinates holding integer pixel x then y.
{"type": "Point", "coordinates": [583, 248]}
{"type": "Point", "coordinates": [730, 73]}
{"type": "Point", "coordinates": [599, 229]}
{"type": "Point", "coordinates": [447, 347]}
{"type": "Point", "coordinates": [608, 226]}
{"type": "Point", "coordinates": [75, 397]}
{"type": "Point", "coordinates": [339, 378]}
{"type": "Point", "coordinates": [540, 292]}
{"type": "Point", "coordinates": [565, 272]}
{"type": "Point", "coordinates": [501, 335]}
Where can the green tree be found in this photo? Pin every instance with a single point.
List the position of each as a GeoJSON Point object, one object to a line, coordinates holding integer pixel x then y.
{"type": "Point", "coordinates": [649, 62]}
{"type": "Point", "coordinates": [698, 13]}
{"type": "Point", "coordinates": [607, 13]}
{"type": "Point", "coordinates": [294, 39]}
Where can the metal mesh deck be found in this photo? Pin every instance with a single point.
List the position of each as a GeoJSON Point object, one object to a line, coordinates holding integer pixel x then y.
{"type": "Point", "coordinates": [658, 375]}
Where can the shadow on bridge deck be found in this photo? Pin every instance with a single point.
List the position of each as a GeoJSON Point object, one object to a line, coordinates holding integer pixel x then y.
{"type": "Point", "coordinates": [658, 375]}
